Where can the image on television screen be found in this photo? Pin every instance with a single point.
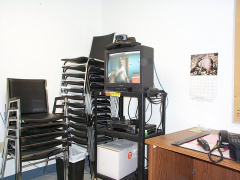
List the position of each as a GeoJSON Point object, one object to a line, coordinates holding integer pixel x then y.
{"type": "Point", "coordinates": [124, 67]}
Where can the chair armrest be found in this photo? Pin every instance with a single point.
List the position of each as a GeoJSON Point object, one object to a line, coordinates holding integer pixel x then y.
{"type": "Point", "coordinates": [55, 106]}
{"type": "Point", "coordinates": [14, 99]}
{"type": "Point", "coordinates": [59, 98]}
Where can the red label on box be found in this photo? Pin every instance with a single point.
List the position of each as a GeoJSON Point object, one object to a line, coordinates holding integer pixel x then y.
{"type": "Point", "coordinates": [129, 155]}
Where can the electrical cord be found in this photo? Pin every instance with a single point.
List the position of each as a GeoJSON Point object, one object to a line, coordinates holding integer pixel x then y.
{"type": "Point", "coordinates": [150, 115]}
{"type": "Point", "coordinates": [136, 116]}
{"type": "Point", "coordinates": [5, 116]}
{"type": "Point", "coordinates": [157, 97]}
{"type": "Point", "coordinates": [167, 101]}
{"type": "Point", "coordinates": [160, 110]}
{"type": "Point", "coordinates": [136, 113]}
{"type": "Point", "coordinates": [147, 161]}
{"type": "Point", "coordinates": [128, 107]}
{"type": "Point", "coordinates": [116, 103]}
{"type": "Point", "coordinates": [147, 107]}
{"type": "Point", "coordinates": [219, 150]}
{"type": "Point", "coordinates": [2, 119]}
{"type": "Point", "coordinates": [157, 76]}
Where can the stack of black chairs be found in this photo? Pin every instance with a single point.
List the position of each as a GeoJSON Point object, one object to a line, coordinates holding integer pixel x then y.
{"type": "Point", "coordinates": [73, 90]}
{"type": "Point", "coordinates": [103, 104]}
{"type": "Point", "coordinates": [32, 133]}
{"type": "Point", "coordinates": [81, 77]}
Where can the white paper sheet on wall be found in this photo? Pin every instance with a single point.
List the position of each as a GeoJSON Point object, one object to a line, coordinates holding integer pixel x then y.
{"type": "Point", "coordinates": [203, 87]}
{"type": "Point", "coordinates": [203, 76]}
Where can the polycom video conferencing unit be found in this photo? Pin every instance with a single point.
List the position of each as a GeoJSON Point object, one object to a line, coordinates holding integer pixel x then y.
{"type": "Point", "coordinates": [130, 127]}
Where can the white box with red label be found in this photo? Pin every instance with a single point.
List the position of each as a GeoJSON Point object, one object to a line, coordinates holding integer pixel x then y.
{"type": "Point", "coordinates": [117, 159]}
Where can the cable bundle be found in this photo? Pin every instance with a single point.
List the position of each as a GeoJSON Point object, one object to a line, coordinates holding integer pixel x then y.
{"type": "Point", "coordinates": [155, 96]}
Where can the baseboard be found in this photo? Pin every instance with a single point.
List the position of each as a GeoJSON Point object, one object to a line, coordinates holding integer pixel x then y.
{"type": "Point", "coordinates": [33, 173]}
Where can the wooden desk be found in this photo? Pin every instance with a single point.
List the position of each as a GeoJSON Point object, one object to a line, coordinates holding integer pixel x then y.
{"type": "Point", "coordinates": [166, 161]}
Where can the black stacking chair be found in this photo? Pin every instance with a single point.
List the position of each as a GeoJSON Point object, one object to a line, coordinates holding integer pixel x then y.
{"type": "Point", "coordinates": [99, 44]}
{"type": "Point", "coordinates": [32, 133]}
{"type": "Point", "coordinates": [85, 74]}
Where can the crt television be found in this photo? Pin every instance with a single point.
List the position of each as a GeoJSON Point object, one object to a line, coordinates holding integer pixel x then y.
{"type": "Point", "coordinates": [128, 69]}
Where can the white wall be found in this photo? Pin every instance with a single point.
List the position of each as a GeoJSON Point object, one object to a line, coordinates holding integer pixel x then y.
{"type": "Point", "coordinates": [176, 30]}
{"type": "Point", "coordinates": [36, 34]}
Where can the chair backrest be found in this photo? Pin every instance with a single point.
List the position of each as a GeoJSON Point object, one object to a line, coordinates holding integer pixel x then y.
{"type": "Point", "coordinates": [99, 44]}
{"type": "Point", "coordinates": [32, 94]}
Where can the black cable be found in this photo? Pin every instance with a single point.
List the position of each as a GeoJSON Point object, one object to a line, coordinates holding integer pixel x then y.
{"type": "Point", "coordinates": [147, 107]}
{"type": "Point", "coordinates": [219, 150]}
{"type": "Point", "coordinates": [167, 101]}
{"type": "Point", "coordinates": [157, 75]}
{"type": "Point", "coordinates": [147, 161]}
{"type": "Point", "coordinates": [156, 96]}
{"type": "Point", "coordinates": [150, 115]}
{"type": "Point", "coordinates": [136, 116]}
{"type": "Point", "coordinates": [160, 110]}
{"type": "Point", "coordinates": [116, 100]}
{"type": "Point", "coordinates": [129, 110]}
{"type": "Point", "coordinates": [128, 107]}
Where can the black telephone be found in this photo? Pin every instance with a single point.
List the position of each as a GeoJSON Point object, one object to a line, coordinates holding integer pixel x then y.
{"type": "Point", "coordinates": [223, 138]}
{"type": "Point", "coordinates": [230, 141]}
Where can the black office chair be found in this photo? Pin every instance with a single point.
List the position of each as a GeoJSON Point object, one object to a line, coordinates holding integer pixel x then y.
{"type": "Point", "coordinates": [32, 133]}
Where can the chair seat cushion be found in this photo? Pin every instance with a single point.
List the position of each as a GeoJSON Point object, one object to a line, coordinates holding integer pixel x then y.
{"type": "Point", "coordinates": [41, 118]}
{"type": "Point", "coordinates": [30, 156]}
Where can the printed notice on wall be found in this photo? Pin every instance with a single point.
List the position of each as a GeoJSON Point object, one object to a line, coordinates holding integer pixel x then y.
{"type": "Point", "coordinates": [203, 76]}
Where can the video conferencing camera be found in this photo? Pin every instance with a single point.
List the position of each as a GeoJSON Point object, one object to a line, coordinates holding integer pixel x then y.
{"type": "Point", "coordinates": [121, 41]}
{"type": "Point", "coordinates": [121, 37]}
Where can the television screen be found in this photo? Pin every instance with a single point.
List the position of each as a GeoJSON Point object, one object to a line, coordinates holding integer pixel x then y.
{"type": "Point", "coordinates": [128, 69]}
{"type": "Point", "coordinates": [124, 67]}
